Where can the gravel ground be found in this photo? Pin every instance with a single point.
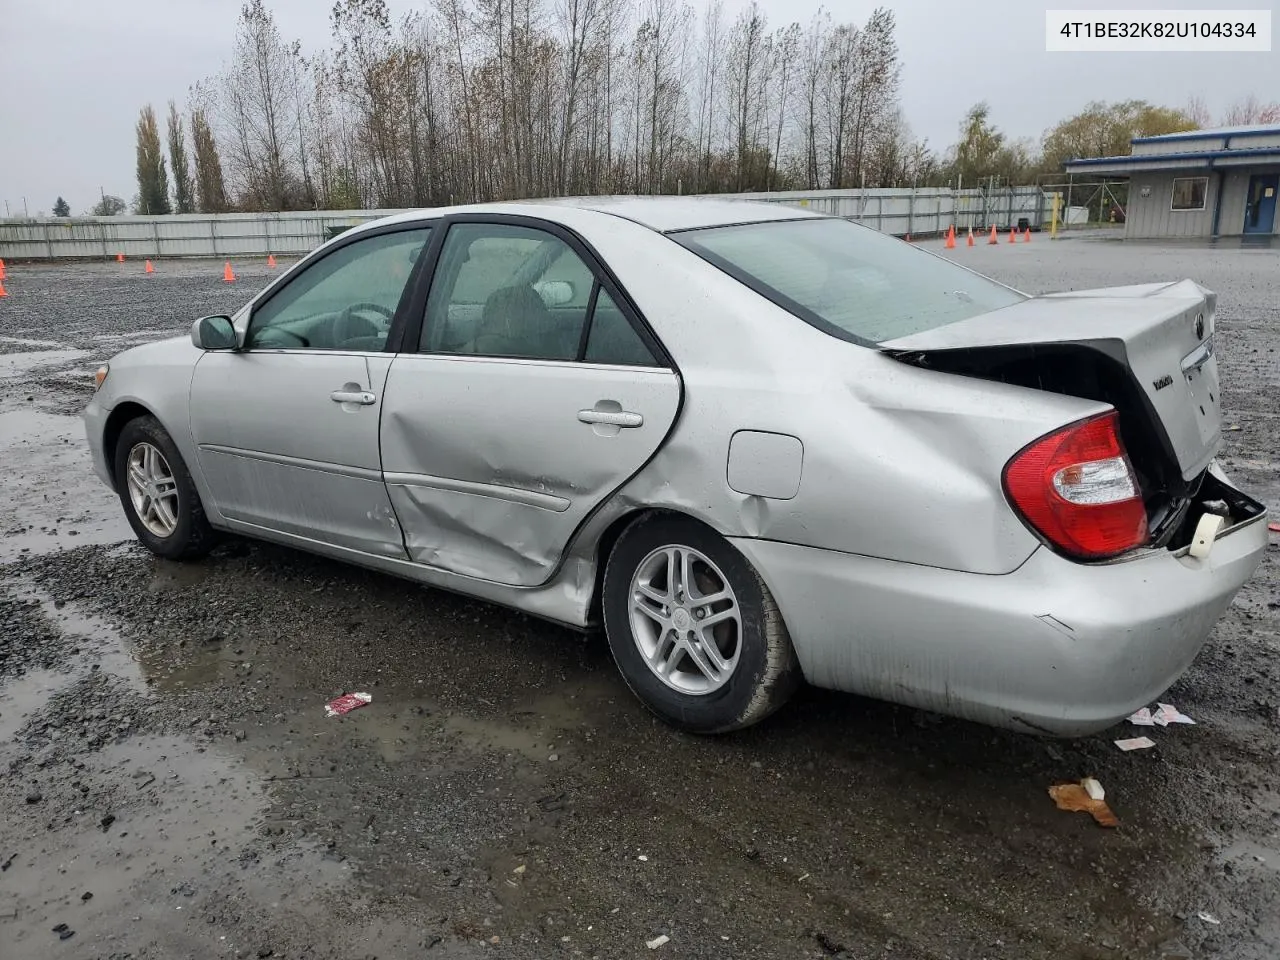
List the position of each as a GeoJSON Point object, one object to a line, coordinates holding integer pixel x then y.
{"type": "Point", "coordinates": [174, 789]}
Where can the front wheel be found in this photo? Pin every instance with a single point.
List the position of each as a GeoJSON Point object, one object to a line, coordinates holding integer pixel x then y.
{"type": "Point", "coordinates": [694, 630]}
{"type": "Point", "coordinates": [158, 494]}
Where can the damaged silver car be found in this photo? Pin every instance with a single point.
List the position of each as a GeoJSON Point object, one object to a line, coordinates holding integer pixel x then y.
{"type": "Point", "coordinates": [756, 444]}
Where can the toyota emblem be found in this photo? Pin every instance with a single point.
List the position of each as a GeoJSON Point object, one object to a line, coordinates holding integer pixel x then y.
{"type": "Point", "coordinates": [1199, 326]}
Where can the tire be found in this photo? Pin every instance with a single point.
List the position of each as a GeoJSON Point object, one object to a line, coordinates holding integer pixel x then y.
{"type": "Point", "coordinates": [756, 670]}
{"type": "Point", "coordinates": [190, 535]}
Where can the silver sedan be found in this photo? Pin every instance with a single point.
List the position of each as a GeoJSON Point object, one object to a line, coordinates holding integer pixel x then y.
{"type": "Point", "coordinates": [758, 445]}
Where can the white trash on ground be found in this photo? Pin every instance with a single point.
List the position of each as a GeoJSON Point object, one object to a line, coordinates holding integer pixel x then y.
{"type": "Point", "coordinates": [1135, 743]}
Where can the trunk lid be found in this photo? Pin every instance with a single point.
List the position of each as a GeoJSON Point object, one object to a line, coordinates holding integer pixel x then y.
{"type": "Point", "coordinates": [1159, 337]}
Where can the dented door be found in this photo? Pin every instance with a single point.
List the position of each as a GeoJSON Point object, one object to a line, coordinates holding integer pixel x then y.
{"type": "Point", "coordinates": [492, 463]}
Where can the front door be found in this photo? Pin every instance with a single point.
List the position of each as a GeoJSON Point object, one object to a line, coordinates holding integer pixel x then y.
{"type": "Point", "coordinates": [534, 394]}
{"type": "Point", "coordinates": [1260, 207]}
{"type": "Point", "coordinates": [287, 427]}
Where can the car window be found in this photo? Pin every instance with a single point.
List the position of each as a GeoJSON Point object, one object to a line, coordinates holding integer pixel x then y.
{"type": "Point", "coordinates": [613, 339]}
{"type": "Point", "coordinates": [507, 291]}
{"type": "Point", "coordinates": [345, 301]}
{"type": "Point", "coordinates": [849, 280]}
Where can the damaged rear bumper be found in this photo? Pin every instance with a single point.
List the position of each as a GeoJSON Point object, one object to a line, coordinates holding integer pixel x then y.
{"type": "Point", "coordinates": [1054, 647]}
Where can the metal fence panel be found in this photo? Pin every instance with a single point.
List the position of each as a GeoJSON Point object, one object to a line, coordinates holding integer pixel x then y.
{"type": "Point", "coordinates": [900, 211]}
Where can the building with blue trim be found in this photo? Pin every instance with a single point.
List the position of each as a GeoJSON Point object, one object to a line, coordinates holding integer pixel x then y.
{"type": "Point", "coordinates": [1202, 183]}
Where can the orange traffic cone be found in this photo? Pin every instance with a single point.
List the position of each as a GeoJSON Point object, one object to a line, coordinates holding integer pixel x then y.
{"type": "Point", "coordinates": [971, 236]}
{"type": "Point", "coordinates": [271, 260]}
{"type": "Point", "coordinates": [119, 258]}
{"type": "Point", "coordinates": [951, 237]}
{"type": "Point", "coordinates": [3, 292]}
{"type": "Point", "coordinates": [994, 240]}
{"type": "Point", "coordinates": [227, 273]}
{"type": "Point", "coordinates": [150, 268]}
{"type": "Point", "coordinates": [908, 238]}
{"type": "Point", "coordinates": [1026, 235]}
{"type": "Point", "coordinates": [1013, 235]}
{"type": "Point", "coordinates": [1, 268]}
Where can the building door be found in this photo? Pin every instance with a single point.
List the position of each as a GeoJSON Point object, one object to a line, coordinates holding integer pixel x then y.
{"type": "Point", "coordinates": [1260, 208]}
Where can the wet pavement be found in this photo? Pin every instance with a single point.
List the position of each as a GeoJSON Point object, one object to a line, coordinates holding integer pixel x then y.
{"type": "Point", "coordinates": [174, 788]}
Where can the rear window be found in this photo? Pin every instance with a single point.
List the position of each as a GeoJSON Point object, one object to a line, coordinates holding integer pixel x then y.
{"type": "Point", "coordinates": [851, 281]}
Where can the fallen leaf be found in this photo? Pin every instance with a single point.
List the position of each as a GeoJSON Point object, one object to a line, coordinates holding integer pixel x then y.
{"type": "Point", "coordinates": [1075, 798]}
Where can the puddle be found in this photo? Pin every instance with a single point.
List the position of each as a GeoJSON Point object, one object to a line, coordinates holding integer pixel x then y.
{"type": "Point", "coordinates": [187, 661]}
{"type": "Point", "coordinates": [98, 642]}
{"type": "Point", "coordinates": [22, 696]}
{"type": "Point", "coordinates": [1253, 854]}
{"type": "Point", "coordinates": [552, 724]}
{"type": "Point", "coordinates": [15, 364]}
{"type": "Point", "coordinates": [180, 815]}
{"type": "Point", "coordinates": [50, 498]}
{"type": "Point", "coordinates": [25, 342]}
{"type": "Point", "coordinates": [527, 741]}
{"type": "Point", "coordinates": [193, 829]}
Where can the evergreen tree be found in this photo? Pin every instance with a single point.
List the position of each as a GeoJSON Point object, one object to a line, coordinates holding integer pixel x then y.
{"type": "Point", "coordinates": [61, 208]}
{"type": "Point", "coordinates": [209, 188]}
{"type": "Point", "coordinates": [153, 179]}
{"type": "Point", "coordinates": [183, 188]}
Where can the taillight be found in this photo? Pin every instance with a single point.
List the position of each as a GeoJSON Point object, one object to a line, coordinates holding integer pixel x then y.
{"type": "Point", "coordinates": [1077, 489]}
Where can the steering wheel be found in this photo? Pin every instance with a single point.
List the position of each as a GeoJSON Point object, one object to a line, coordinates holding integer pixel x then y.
{"type": "Point", "coordinates": [354, 322]}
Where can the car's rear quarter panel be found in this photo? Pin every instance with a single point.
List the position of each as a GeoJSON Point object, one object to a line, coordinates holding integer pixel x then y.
{"type": "Point", "coordinates": [898, 463]}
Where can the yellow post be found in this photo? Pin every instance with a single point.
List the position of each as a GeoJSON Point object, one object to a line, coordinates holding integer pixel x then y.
{"type": "Point", "coordinates": [1053, 223]}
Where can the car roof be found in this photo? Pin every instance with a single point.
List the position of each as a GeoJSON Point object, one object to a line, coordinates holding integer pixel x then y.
{"type": "Point", "coordinates": [663, 214]}
{"type": "Point", "coordinates": [666, 214]}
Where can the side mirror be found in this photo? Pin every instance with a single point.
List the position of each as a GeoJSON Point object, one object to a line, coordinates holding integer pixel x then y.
{"type": "Point", "coordinates": [214, 333]}
{"type": "Point", "coordinates": [555, 293]}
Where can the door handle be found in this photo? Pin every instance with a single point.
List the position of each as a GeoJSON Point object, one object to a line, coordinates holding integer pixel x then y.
{"type": "Point", "coordinates": [616, 418]}
{"type": "Point", "coordinates": [362, 397]}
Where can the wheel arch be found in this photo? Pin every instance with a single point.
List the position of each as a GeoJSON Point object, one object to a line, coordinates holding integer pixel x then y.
{"type": "Point", "coordinates": [609, 538]}
{"type": "Point", "coordinates": [120, 415]}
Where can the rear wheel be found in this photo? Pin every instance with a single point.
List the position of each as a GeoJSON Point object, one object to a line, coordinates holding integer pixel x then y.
{"type": "Point", "coordinates": [158, 494]}
{"type": "Point", "coordinates": [694, 630]}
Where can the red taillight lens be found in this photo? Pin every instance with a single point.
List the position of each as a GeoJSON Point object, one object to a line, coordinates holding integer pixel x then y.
{"type": "Point", "coordinates": [1076, 487]}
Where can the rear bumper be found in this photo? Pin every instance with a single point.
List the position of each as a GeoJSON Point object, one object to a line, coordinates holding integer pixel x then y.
{"type": "Point", "coordinates": [1054, 647]}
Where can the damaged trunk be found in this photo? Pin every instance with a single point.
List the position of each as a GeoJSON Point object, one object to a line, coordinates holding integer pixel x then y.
{"type": "Point", "coordinates": [1146, 350]}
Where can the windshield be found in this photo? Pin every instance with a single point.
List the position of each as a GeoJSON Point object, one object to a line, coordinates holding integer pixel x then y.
{"type": "Point", "coordinates": [851, 281]}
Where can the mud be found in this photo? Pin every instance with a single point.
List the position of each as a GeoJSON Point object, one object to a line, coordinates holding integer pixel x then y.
{"type": "Point", "coordinates": [166, 749]}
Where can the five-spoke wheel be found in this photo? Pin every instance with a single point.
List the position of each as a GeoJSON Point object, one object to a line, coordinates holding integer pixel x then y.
{"type": "Point", "coordinates": [159, 497]}
{"type": "Point", "coordinates": [693, 628]}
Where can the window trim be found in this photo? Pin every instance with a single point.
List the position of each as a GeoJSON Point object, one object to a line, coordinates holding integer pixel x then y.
{"type": "Point", "coordinates": [1173, 192]}
{"type": "Point", "coordinates": [409, 336]}
{"type": "Point", "coordinates": [341, 242]}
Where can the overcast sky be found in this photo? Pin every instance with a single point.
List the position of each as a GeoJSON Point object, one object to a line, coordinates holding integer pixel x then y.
{"type": "Point", "coordinates": [73, 73]}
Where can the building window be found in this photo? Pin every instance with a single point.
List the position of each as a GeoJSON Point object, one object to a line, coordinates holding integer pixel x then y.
{"type": "Point", "coordinates": [1189, 193]}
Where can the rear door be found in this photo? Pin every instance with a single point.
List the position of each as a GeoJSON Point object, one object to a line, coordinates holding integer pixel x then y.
{"type": "Point", "coordinates": [287, 426]}
{"type": "Point", "coordinates": [532, 392]}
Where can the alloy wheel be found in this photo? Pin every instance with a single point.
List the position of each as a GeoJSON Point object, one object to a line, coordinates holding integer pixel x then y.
{"type": "Point", "coordinates": [685, 620]}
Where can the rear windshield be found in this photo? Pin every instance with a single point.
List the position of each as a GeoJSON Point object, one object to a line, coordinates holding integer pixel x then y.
{"type": "Point", "coordinates": [849, 280]}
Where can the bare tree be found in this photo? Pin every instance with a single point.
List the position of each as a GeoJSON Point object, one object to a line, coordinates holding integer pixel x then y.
{"type": "Point", "coordinates": [813, 69]}
{"type": "Point", "coordinates": [257, 109]}
{"type": "Point", "coordinates": [1250, 110]}
{"type": "Point", "coordinates": [746, 69]}
{"type": "Point", "coordinates": [484, 99]}
{"type": "Point", "coordinates": [1198, 111]}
